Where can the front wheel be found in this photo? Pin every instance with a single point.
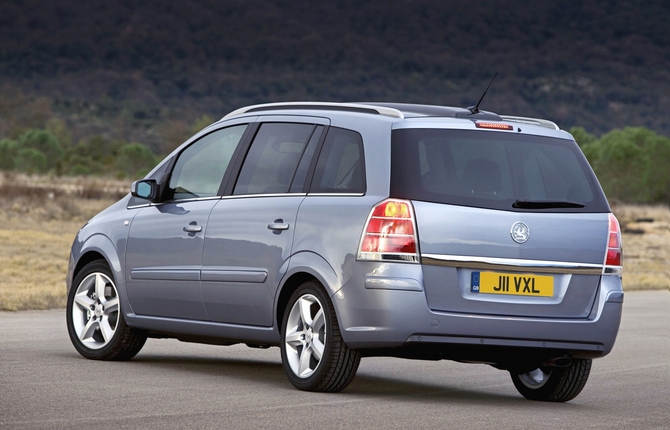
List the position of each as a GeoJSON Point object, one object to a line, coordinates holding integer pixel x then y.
{"type": "Point", "coordinates": [314, 355]}
{"type": "Point", "coordinates": [553, 384]}
{"type": "Point", "coordinates": [94, 319]}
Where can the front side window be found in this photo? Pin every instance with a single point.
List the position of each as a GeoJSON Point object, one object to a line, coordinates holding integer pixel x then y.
{"type": "Point", "coordinates": [199, 169]}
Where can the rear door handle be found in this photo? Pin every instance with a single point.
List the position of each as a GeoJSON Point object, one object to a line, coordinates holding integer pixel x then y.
{"type": "Point", "coordinates": [278, 224]}
{"type": "Point", "coordinates": [191, 228]}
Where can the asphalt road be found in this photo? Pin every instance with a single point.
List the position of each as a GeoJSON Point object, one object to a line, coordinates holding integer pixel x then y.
{"type": "Point", "coordinates": [44, 383]}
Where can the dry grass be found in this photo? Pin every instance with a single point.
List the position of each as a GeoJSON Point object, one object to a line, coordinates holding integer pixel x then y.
{"type": "Point", "coordinates": [33, 275]}
{"type": "Point", "coordinates": [39, 218]}
{"type": "Point", "coordinates": [646, 246]}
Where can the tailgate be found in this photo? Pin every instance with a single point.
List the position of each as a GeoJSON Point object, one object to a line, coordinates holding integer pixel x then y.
{"type": "Point", "coordinates": [472, 264]}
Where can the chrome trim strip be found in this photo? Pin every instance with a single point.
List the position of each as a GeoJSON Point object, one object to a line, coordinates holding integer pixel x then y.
{"type": "Point", "coordinates": [390, 257]}
{"type": "Point", "coordinates": [194, 199]}
{"type": "Point", "coordinates": [175, 202]}
{"type": "Point", "coordinates": [240, 196]}
{"type": "Point", "coordinates": [336, 194]}
{"type": "Point", "coordinates": [512, 264]}
{"type": "Point", "coordinates": [246, 196]}
{"type": "Point", "coordinates": [145, 205]}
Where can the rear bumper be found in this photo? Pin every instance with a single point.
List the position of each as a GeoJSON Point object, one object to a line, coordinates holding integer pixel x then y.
{"type": "Point", "coordinates": [398, 322]}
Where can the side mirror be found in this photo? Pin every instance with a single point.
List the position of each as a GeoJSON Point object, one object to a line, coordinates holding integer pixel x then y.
{"type": "Point", "coordinates": [145, 189]}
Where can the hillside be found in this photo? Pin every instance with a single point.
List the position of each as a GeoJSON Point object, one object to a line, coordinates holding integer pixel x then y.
{"type": "Point", "coordinates": [137, 70]}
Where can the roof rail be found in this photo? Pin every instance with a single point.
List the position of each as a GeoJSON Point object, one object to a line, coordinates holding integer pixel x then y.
{"type": "Point", "coordinates": [351, 107]}
{"type": "Point", "coordinates": [532, 121]}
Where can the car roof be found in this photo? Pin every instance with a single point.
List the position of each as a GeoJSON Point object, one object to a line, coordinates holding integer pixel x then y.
{"type": "Point", "coordinates": [394, 110]}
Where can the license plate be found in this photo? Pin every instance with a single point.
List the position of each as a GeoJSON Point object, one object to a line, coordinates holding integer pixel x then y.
{"type": "Point", "coordinates": [505, 283]}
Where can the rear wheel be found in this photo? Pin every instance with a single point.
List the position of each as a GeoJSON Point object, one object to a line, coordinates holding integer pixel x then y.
{"type": "Point", "coordinates": [553, 384]}
{"type": "Point", "coordinates": [94, 319]}
{"type": "Point", "coordinates": [313, 354]}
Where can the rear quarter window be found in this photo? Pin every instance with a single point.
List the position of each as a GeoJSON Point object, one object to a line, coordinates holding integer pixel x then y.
{"type": "Point", "coordinates": [492, 170]}
{"type": "Point", "coordinates": [341, 164]}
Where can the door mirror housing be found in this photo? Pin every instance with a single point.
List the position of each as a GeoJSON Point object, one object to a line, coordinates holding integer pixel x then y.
{"type": "Point", "coordinates": [145, 189]}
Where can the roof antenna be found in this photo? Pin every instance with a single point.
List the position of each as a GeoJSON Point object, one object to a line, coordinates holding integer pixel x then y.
{"type": "Point", "coordinates": [475, 109]}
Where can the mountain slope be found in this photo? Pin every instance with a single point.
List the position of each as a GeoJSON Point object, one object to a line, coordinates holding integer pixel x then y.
{"type": "Point", "coordinates": [593, 63]}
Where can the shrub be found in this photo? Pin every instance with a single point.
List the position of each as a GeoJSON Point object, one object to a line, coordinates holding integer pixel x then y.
{"type": "Point", "coordinates": [45, 143]}
{"type": "Point", "coordinates": [8, 150]}
{"type": "Point", "coordinates": [582, 137]}
{"type": "Point", "coordinates": [135, 159]}
{"type": "Point", "coordinates": [201, 123]}
{"type": "Point", "coordinates": [93, 156]}
{"type": "Point", "coordinates": [31, 160]}
{"type": "Point", "coordinates": [631, 165]}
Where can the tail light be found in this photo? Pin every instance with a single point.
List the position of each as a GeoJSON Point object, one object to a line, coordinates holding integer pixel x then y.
{"type": "Point", "coordinates": [390, 233]}
{"type": "Point", "coordinates": [614, 258]}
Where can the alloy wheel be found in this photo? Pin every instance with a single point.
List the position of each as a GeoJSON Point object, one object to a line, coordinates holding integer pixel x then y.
{"type": "Point", "coordinates": [305, 336]}
{"type": "Point", "coordinates": [95, 312]}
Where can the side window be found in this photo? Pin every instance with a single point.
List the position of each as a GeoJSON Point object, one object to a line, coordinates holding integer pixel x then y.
{"type": "Point", "coordinates": [273, 157]}
{"type": "Point", "coordinates": [200, 167]}
{"type": "Point", "coordinates": [298, 184]}
{"type": "Point", "coordinates": [341, 165]}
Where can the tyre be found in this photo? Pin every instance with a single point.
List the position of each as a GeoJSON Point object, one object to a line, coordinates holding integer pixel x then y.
{"type": "Point", "coordinates": [313, 354]}
{"type": "Point", "coordinates": [553, 384]}
{"type": "Point", "coordinates": [94, 319]}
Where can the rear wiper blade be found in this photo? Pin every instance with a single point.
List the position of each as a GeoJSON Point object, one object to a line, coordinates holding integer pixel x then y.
{"type": "Point", "coordinates": [545, 204]}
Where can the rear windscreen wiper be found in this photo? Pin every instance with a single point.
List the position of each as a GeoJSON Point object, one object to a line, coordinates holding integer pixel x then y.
{"type": "Point", "coordinates": [545, 204]}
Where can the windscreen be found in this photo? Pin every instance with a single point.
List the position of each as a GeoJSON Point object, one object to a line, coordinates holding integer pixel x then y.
{"type": "Point", "coordinates": [493, 170]}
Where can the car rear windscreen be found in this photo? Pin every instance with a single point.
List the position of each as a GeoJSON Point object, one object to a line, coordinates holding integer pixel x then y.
{"type": "Point", "coordinates": [493, 170]}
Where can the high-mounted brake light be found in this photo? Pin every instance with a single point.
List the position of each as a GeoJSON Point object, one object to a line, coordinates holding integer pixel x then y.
{"type": "Point", "coordinates": [613, 260]}
{"type": "Point", "coordinates": [390, 233]}
{"type": "Point", "coordinates": [493, 125]}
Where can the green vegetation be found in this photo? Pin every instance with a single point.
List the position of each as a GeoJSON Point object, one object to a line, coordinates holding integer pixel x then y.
{"type": "Point", "coordinates": [40, 151]}
{"type": "Point", "coordinates": [51, 150]}
{"type": "Point", "coordinates": [631, 164]}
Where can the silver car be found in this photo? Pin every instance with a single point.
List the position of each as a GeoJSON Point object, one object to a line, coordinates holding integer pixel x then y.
{"type": "Point", "coordinates": [337, 231]}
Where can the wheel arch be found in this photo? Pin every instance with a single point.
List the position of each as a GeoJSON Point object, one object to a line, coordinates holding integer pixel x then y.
{"type": "Point", "coordinates": [303, 267]}
{"type": "Point", "coordinates": [86, 258]}
{"type": "Point", "coordinates": [100, 247]}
